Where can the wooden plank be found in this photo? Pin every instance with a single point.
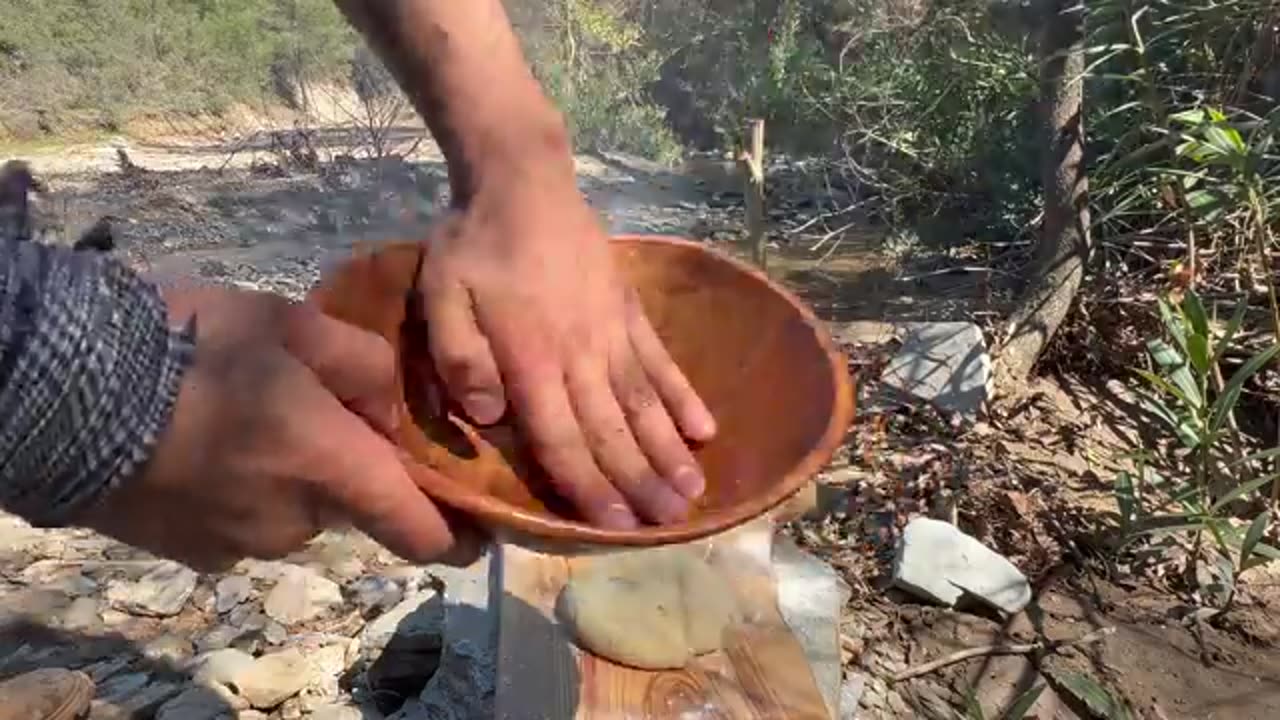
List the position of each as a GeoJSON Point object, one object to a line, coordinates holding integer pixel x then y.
{"type": "Point", "coordinates": [762, 674]}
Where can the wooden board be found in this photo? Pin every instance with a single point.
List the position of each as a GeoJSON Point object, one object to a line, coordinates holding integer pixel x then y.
{"type": "Point", "coordinates": [762, 674]}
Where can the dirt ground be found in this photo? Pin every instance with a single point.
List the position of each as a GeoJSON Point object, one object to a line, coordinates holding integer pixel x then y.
{"type": "Point", "coordinates": [1032, 480]}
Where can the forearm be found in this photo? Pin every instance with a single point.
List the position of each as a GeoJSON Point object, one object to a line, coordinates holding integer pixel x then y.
{"type": "Point", "coordinates": [89, 372]}
{"type": "Point", "coordinates": [461, 65]}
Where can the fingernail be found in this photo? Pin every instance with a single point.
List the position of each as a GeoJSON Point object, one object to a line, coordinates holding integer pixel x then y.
{"type": "Point", "coordinates": [689, 482]}
{"type": "Point", "coordinates": [670, 507]}
{"type": "Point", "coordinates": [703, 427]}
{"type": "Point", "coordinates": [485, 408]}
{"type": "Point", "coordinates": [619, 517]}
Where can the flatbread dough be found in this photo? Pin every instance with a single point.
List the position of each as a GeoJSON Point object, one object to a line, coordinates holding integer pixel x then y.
{"type": "Point", "coordinates": [654, 609]}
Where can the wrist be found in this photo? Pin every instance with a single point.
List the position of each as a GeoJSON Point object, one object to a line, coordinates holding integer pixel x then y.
{"type": "Point", "coordinates": [504, 157]}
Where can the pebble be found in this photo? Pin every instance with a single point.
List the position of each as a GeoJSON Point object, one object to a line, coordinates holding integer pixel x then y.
{"type": "Point", "coordinates": [231, 591]}
{"type": "Point", "coordinates": [218, 638]}
{"type": "Point", "coordinates": [222, 667]}
{"type": "Point", "coordinates": [195, 703]}
{"type": "Point", "coordinates": [161, 592]}
{"type": "Point", "coordinates": [327, 665]}
{"type": "Point", "coordinates": [376, 592]}
{"type": "Point", "coordinates": [301, 594]}
{"type": "Point", "coordinates": [169, 648]}
{"type": "Point", "coordinates": [81, 614]}
{"type": "Point", "coordinates": [272, 679]}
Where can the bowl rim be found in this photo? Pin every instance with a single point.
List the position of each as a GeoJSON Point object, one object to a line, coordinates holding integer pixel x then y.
{"type": "Point", "coordinates": [504, 519]}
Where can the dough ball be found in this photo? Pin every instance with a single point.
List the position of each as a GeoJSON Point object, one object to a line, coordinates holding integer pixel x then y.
{"type": "Point", "coordinates": [654, 609]}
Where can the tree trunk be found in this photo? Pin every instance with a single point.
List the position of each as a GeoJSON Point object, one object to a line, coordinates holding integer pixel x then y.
{"type": "Point", "coordinates": [1063, 248]}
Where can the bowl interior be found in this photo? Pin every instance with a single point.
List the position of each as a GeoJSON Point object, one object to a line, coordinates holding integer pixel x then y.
{"type": "Point", "coordinates": [764, 366]}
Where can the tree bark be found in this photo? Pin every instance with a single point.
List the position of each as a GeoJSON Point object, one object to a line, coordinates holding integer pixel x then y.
{"type": "Point", "coordinates": [1064, 244]}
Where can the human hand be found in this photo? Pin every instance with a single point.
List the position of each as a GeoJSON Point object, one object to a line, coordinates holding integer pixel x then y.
{"type": "Point", "coordinates": [524, 308]}
{"type": "Point", "coordinates": [275, 436]}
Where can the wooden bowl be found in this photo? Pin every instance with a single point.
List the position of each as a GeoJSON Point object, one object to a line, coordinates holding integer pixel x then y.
{"type": "Point", "coordinates": [765, 366]}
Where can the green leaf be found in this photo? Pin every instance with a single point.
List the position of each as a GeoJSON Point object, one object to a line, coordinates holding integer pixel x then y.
{"type": "Point", "coordinates": [1099, 700]}
{"type": "Point", "coordinates": [1126, 498]}
{"type": "Point", "coordinates": [1193, 310]}
{"type": "Point", "coordinates": [1262, 553]}
{"type": "Point", "coordinates": [1175, 364]}
{"type": "Point", "coordinates": [1253, 535]}
{"type": "Point", "coordinates": [1231, 392]}
{"type": "Point", "coordinates": [1260, 455]}
{"type": "Point", "coordinates": [1022, 706]}
{"type": "Point", "coordinates": [1242, 490]}
{"type": "Point", "coordinates": [1173, 324]}
{"type": "Point", "coordinates": [1186, 429]}
{"type": "Point", "coordinates": [1198, 353]}
{"type": "Point", "coordinates": [1164, 354]}
{"type": "Point", "coordinates": [972, 708]}
{"type": "Point", "coordinates": [1190, 118]}
{"type": "Point", "coordinates": [1198, 524]}
{"type": "Point", "coordinates": [1226, 140]}
{"type": "Point", "coordinates": [1164, 386]}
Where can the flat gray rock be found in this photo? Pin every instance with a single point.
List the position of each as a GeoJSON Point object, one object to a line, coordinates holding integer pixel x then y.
{"type": "Point", "coordinates": [161, 592]}
{"type": "Point", "coordinates": [464, 685]}
{"type": "Point", "coordinates": [938, 562]}
{"type": "Point", "coordinates": [810, 597]}
{"type": "Point", "coordinates": [944, 363]}
{"type": "Point", "coordinates": [301, 594]}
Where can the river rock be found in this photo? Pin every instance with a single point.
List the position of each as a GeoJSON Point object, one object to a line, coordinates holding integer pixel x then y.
{"type": "Point", "coordinates": [301, 594]}
{"type": "Point", "coordinates": [938, 562]}
{"type": "Point", "coordinates": [161, 592]}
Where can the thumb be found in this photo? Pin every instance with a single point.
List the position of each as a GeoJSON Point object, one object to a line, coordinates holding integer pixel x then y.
{"type": "Point", "coordinates": [364, 478]}
{"type": "Point", "coordinates": [356, 365]}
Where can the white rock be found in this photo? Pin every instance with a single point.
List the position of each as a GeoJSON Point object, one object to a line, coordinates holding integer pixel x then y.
{"type": "Point", "coordinates": [327, 665]}
{"type": "Point", "coordinates": [161, 592]}
{"type": "Point", "coordinates": [945, 363]}
{"type": "Point", "coordinates": [231, 591]}
{"type": "Point", "coordinates": [222, 667]}
{"type": "Point", "coordinates": [170, 648]}
{"type": "Point", "coordinates": [274, 678]}
{"type": "Point", "coordinates": [301, 594]}
{"type": "Point", "coordinates": [938, 562]}
{"type": "Point", "coordinates": [416, 623]}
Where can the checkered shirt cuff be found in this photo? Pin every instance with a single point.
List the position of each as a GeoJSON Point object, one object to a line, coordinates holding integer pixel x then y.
{"type": "Point", "coordinates": [89, 375]}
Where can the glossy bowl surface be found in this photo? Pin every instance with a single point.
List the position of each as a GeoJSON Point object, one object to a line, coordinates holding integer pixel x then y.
{"type": "Point", "coordinates": [766, 367]}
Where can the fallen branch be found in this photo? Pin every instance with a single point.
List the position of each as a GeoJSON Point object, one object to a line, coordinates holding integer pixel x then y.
{"type": "Point", "coordinates": [1007, 649]}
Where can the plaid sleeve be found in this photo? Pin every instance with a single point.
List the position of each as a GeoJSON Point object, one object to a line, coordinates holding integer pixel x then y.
{"type": "Point", "coordinates": [89, 374]}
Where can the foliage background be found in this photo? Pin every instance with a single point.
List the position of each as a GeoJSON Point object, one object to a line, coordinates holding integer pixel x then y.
{"type": "Point", "coordinates": [928, 107]}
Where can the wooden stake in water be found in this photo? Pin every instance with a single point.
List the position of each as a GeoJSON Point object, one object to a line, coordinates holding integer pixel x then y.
{"type": "Point", "coordinates": [752, 162]}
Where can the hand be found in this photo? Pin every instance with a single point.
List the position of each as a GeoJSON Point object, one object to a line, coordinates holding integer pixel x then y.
{"type": "Point", "coordinates": [275, 435]}
{"type": "Point", "coordinates": [524, 307]}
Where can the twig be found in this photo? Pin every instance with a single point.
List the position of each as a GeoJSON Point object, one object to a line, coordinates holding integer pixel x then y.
{"type": "Point", "coordinates": [1007, 649]}
{"type": "Point", "coordinates": [840, 230]}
